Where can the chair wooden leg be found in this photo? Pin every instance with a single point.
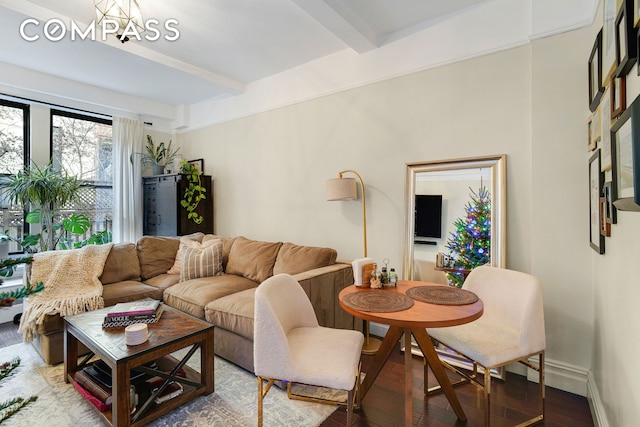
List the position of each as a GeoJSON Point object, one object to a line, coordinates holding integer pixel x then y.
{"type": "Point", "coordinates": [541, 384]}
{"type": "Point", "coordinates": [350, 408]}
{"type": "Point", "coordinates": [260, 396]}
{"type": "Point", "coordinates": [487, 396]}
{"type": "Point", "coordinates": [262, 392]}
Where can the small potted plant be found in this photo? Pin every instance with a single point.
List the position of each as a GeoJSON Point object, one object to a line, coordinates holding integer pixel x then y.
{"type": "Point", "coordinates": [157, 157]}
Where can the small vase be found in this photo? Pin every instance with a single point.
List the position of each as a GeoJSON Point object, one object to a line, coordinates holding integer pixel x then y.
{"type": "Point", "coordinates": [157, 169]}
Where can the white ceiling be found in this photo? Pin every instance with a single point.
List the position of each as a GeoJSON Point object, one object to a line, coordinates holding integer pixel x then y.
{"type": "Point", "coordinates": [234, 57]}
{"type": "Point", "coordinates": [223, 44]}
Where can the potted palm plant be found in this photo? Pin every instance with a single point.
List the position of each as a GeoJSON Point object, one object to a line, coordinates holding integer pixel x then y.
{"type": "Point", "coordinates": [158, 156]}
{"type": "Point", "coordinates": [43, 192]}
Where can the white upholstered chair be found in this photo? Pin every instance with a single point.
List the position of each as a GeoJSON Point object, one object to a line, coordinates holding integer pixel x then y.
{"type": "Point", "coordinates": [289, 345]}
{"type": "Point", "coordinates": [510, 330]}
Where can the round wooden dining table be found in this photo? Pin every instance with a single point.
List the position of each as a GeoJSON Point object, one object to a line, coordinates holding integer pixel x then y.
{"type": "Point", "coordinates": [411, 321]}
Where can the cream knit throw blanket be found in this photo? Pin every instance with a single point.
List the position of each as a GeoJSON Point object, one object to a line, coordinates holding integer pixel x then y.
{"type": "Point", "coordinates": [71, 285]}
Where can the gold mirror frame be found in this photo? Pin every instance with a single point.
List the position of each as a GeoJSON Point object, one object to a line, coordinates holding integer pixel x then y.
{"type": "Point", "coordinates": [498, 187]}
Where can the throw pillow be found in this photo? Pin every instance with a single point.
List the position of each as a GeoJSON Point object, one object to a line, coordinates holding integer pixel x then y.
{"type": "Point", "coordinates": [184, 240]}
{"type": "Point", "coordinates": [201, 260]}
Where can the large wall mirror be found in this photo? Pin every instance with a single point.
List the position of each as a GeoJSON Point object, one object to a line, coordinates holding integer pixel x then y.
{"type": "Point", "coordinates": [436, 195]}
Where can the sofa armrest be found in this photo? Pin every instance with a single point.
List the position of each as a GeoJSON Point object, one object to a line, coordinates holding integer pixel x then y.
{"type": "Point", "coordinates": [322, 286]}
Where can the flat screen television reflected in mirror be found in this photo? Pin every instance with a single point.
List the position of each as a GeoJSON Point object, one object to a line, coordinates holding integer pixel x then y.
{"type": "Point", "coordinates": [428, 218]}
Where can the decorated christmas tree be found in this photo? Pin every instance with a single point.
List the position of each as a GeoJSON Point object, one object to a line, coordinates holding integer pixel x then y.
{"type": "Point", "coordinates": [470, 244]}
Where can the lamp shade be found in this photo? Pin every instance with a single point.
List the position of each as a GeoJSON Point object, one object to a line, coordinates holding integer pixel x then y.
{"type": "Point", "coordinates": [342, 189]}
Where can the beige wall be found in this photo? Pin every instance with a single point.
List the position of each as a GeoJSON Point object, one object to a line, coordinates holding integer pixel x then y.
{"type": "Point", "coordinates": [270, 169]}
{"type": "Point", "coordinates": [559, 235]}
{"type": "Point", "coordinates": [529, 103]}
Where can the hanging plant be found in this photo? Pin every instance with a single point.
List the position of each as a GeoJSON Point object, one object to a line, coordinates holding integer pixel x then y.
{"type": "Point", "coordinates": [194, 192]}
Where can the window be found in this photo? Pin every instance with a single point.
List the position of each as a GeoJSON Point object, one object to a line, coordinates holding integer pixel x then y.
{"type": "Point", "coordinates": [14, 125]}
{"type": "Point", "coordinates": [82, 147]}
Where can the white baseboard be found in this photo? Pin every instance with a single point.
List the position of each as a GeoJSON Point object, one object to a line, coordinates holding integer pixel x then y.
{"type": "Point", "coordinates": [595, 403]}
{"type": "Point", "coordinates": [569, 378]}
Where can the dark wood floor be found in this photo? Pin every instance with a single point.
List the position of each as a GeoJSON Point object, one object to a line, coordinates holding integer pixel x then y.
{"type": "Point", "coordinates": [513, 401]}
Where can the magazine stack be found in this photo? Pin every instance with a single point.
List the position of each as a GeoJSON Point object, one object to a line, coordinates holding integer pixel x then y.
{"type": "Point", "coordinates": [129, 313]}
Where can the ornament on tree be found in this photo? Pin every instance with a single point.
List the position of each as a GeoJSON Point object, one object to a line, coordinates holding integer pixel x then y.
{"type": "Point", "coordinates": [470, 244]}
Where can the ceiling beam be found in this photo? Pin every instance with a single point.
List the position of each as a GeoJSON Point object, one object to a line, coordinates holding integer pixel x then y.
{"type": "Point", "coordinates": [347, 28]}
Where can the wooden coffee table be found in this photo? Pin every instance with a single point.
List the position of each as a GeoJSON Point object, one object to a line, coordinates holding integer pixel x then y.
{"type": "Point", "coordinates": [175, 330]}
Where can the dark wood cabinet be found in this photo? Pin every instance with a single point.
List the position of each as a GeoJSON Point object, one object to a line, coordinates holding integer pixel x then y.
{"type": "Point", "coordinates": [163, 213]}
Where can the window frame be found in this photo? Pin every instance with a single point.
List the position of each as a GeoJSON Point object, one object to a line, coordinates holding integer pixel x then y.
{"type": "Point", "coordinates": [26, 150]}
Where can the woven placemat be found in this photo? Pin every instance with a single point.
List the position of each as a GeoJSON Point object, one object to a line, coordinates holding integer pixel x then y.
{"type": "Point", "coordinates": [377, 301]}
{"type": "Point", "coordinates": [442, 295]}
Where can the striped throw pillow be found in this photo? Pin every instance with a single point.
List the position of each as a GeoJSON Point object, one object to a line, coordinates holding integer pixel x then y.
{"type": "Point", "coordinates": [201, 260]}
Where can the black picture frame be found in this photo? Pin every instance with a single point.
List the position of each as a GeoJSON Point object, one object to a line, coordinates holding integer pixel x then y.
{"type": "Point", "coordinates": [198, 164]}
{"type": "Point", "coordinates": [625, 159]}
{"type": "Point", "coordinates": [618, 95]}
{"type": "Point", "coordinates": [595, 73]}
{"type": "Point", "coordinates": [626, 39]}
{"type": "Point", "coordinates": [596, 179]}
{"type": "Point", "coordinates": [611, 213]}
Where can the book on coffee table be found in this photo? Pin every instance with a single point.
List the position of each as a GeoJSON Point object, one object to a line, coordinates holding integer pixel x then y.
{"type": "Point", "coordinates": [126, 320]}
{"type": "Point", "coordinates": [134, 308]}
{"type": "Point", "coordinates": [91, 398]}
{"type": "Point", "coordinates": [94, 387]}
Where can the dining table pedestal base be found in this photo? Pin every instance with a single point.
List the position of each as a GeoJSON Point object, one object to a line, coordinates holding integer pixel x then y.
{"type": "Point", "coordinates": [394, 334]}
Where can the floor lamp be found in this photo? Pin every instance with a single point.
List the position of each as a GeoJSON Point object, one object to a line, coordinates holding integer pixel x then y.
{"type": "Point", "coordinates": [339, 189]}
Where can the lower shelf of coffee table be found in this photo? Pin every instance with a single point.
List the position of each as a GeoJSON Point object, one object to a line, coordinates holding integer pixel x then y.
{"type": "Point", "coordinates": [157, 410]}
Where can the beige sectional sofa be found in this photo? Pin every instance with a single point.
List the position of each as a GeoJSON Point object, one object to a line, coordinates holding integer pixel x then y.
{"type": "Point", "coordinates": [140, 270]}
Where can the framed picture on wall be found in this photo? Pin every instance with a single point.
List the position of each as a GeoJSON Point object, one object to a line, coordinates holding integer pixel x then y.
{"type": "Point", "coordinates": [625, 156]}
{"type": "Point", "coordinates": [596, 239]}
{"type": "Point", "coordinates": [591, 144]}
{"type": "Point", "coordinates": [595, 73]}
{"type": "Point", "coordinates": [605, 123]}
{"type": "Point", "coordinates": [618, 95]}
{"type": "Point", "coordinates": [636, 13]}
{"type": "Point", "coordinates": [198, 164]}
{"type": "Point", "coordinates": [611, 214]}
{"type": "Point", "coordinates": [626, 39]}
{"type": "Point", "coordinates": [605, 227]}
{"type": "Point", "coordinates": [609, 13]}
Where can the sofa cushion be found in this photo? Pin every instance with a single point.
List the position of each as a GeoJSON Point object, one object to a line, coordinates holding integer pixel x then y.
{"type": "Point", "coordinates": [177, 263]}
{"type": "Point", "coordinates": [233, 313]}
{"type": "Point", "coordinates": [163, 281]}
{"type": "Point", "coordinates": [157, 254]}
{"type": "Point", "coordinates": [227, 243]}
{"type": "Point", "coordinates": [121, 264]}
{"type": "Point", "coordinates": [252, 259]}
{"type": "Point", "coordinates": [193, 295]}
{"type": "Point", "coordinates": [127, 291]}
{"type": "Point", "coordinates": [294, 259]}
{"type": "Point", "coordinates": [201, 260]}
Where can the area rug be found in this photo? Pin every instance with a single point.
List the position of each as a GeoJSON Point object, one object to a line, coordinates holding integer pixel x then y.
{"type": "Point", "coordinates": [234, 402]}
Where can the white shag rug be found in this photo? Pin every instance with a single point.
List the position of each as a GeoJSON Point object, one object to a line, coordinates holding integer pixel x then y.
{"type": "Point", "coordinates": [234, 402]}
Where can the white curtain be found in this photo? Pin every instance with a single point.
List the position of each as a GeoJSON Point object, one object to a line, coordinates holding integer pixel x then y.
{"type": "Point", "coordinates": [128, 138]}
